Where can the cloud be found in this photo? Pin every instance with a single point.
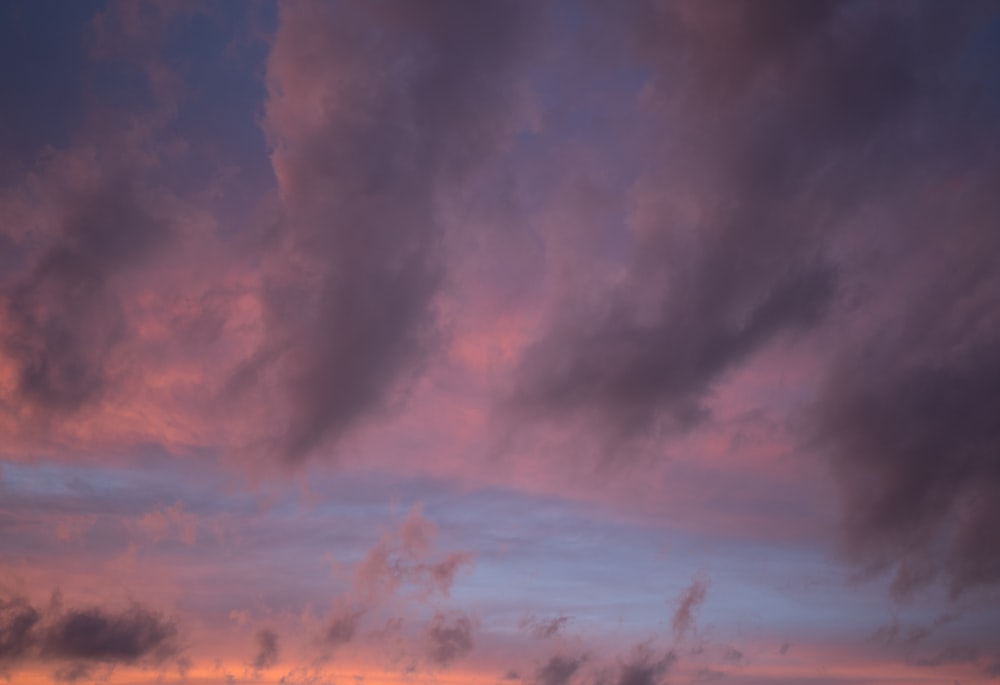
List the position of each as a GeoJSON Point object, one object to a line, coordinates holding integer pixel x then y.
{"type": "Point", "coordinates": [813, 175]}
{"type": "Point", "coordinates": [732, 655]}
{"type": "Point", "coordinates": [84, 636]}
{"type": "Point", "coordinates": [806, 166]}
{"type": "Point", "coordinates": [374, 110]}
{"type": "Point", "coordinates": [343, 627]}
{"type": "Point", "coordinates": [17, 624]}
{"type": "Point", "coordinates": [73, 673]}
{"type": "Point", "coordinates": [768, 117]}
{"type": "Point", "coordinates": [558, 670]}
{"type": "Point", "coordinates": [266, 655]}
{"type": "Point", "coordinates": [708, 283]}
{"type": "Point", "coordinates": [708, 675]}
{"type": "Point", "coordinates": [688, 604]}
{"type": "Point", "coordinates": [645, 669]}
{"type": "Point", "coordinates": [96, 634]}
{"type": "Point", "coordinates": [544, 628]}
{"type": "Point", "coordinates": [915, 448]}
{"type": "Point", "coordinates": [404, 556]}
{"type": "Point", "coordinates": [401, 570]}
{"type": "Point", "coordinates": [448, 637]}
{"type": "Point", "coordinates": [64, 319]}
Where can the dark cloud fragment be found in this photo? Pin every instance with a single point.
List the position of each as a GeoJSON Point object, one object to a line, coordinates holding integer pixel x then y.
{"type": "Point", "coordinates": [18, 620]}
{"type": "Point", "coordinates": [267, 649]}
{"type": "Point", "coordinates": [82, 638]}
{"type": "Point", "coordinates": [343, 627]}
{"type": "Point", "coordinates": [442, 573]}
{"type": "Point", "coordinates": [544, 628]}
{"type": "Point", "coordinates": [449, 637]}
{"type": "Point", "coordinates": [95, 634]}
{"type": "Point", "coordinates": [559, 670]}
{"type": "Point", "coordinates": [645, 669]}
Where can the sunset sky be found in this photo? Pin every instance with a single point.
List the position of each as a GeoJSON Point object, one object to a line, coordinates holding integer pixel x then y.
{"type": "Point", "coordinates": [488, 342]}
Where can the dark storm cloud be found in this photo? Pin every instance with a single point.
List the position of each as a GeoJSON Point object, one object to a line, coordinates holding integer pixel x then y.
{"type": "Point", "coordinates": [775, 122]}
{"type": "Point", "coordinates": [419, 95]}
{"type": "Point", "coordinates": [64, 317]}
{"type": "Point", "coordinates": [267, 649]}
{"type": "Point", "coordinates": [449, 637]}
{"type": "Point", "coordinates": [94, 635]}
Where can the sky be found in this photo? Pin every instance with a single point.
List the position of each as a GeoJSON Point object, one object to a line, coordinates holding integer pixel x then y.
{"type": "Point", "coordinates": [508, 342]}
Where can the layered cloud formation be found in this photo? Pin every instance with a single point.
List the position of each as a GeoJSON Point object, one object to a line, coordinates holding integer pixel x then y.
{"type": "Point", "coordinates": [555, 342]}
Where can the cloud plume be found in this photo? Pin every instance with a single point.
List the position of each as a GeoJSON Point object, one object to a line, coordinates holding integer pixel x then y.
{"type": "Point", "coordinates": [688, 604]}
{"type": "Point", "coordinates": [363, 148]}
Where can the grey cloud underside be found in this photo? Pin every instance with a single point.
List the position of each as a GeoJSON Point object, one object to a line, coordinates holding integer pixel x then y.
{"type": "Point", "coordinates": [64, 316]}
{"type": "Point", "coordinates": [793, 137]}
{"type": "Point", "coordinates": [429, 93]}
{"type": "Point", "coordinates": [783, 121]}
{"type": "Point", "coordinates": [85, 635]}
{"type": "Point", "coordinates": [912, 428]}
{"type": "Point", "coordinates": [908, 415]}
